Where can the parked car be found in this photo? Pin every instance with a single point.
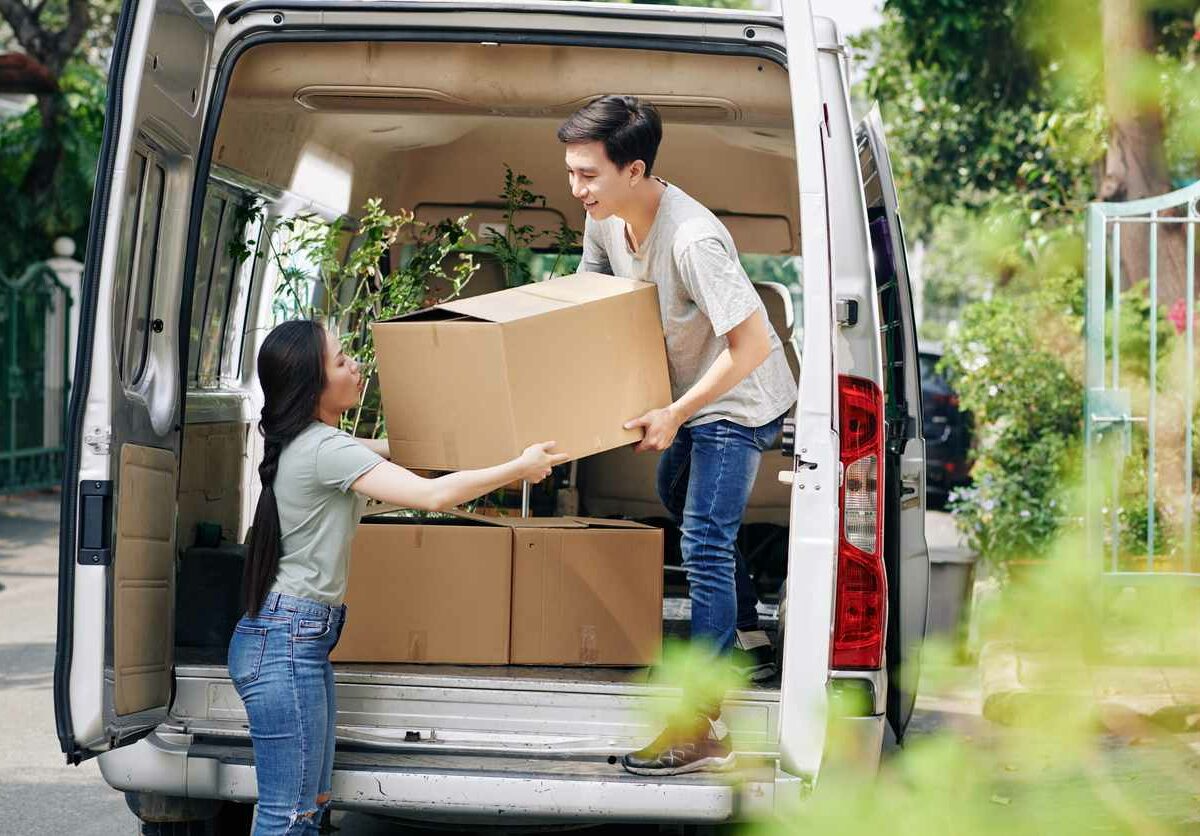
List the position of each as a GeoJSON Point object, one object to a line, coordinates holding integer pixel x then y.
{"type": "Point", "coordinates": [947, 430]}
{"type": "Point", "coordinates": [317, 105]}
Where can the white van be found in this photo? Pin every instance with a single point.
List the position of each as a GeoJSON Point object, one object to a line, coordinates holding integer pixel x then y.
{"type": "Point", "coordinates": [316, 105]}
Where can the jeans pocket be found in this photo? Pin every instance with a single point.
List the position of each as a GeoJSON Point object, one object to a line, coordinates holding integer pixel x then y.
{"type": "Point", "coordinates": [311, 629]}
{"type": "Point", "coordinates": [766, 435]}
{"type": "Point", "coordinates": [246, 654]}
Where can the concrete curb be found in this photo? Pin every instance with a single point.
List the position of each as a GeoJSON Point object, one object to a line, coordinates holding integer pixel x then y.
{"type": "Point", "coordinates": [1018, 689]}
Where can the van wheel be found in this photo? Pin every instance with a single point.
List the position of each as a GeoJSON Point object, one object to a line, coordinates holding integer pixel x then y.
{"type": "Point", "coordinates": [233, 819]}
{"type": "Point", "coordinates": [176, 828]}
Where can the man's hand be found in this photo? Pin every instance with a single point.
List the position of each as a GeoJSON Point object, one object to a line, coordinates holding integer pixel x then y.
{"type": "Point", "coordinates": [661, 425]}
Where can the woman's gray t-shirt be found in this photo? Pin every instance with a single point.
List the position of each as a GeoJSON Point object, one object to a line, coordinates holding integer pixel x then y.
{"type": "Point", "coordinates": [703, 293]}
{"type": "Point", "coordinates": [318, 512]}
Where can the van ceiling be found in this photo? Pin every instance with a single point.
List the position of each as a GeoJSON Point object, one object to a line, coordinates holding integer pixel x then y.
{"type": "Point", "coordinates": [431, 126]}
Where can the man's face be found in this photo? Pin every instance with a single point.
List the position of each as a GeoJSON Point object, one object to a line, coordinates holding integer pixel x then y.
{"type": "Point", "coordinates": [597, 182]}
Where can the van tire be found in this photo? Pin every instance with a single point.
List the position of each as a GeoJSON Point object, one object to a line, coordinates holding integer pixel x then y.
{"type": "Point", "coordinates": [176, 828]}
{"type": "Point", "coordinates": [234, 819]}
{"type": "Point", "coordinates": [190, 817]}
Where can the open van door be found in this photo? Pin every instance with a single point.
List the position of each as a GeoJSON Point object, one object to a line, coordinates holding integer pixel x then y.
{"type": "Point", "coordinates": [814, 456]}
{"type": "Point", "coordinates": [113, 668]}
{"type": "Point", "coordinates": [906, 556]}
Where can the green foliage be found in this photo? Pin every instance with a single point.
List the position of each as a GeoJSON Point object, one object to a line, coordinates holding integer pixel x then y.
{"type": "Point", "coordinates": [1011, 373]}
{"type": "Point", "coordinates": [978, 44]}
{"type": "Point", "coordinates": [1133, 339]}
{"type": "Point", "coordinates": [964, 135]}
{"type": "Point", "coordinates": [513, 245]}
{"type": "Point", "coordinates": [1045, 763]}
{"type": "Point", "coordinates": [30, 226]}
{"type": "Point", "coordinates": [332, 272]}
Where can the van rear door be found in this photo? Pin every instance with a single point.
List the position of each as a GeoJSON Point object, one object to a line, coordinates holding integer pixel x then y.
{"type": "Point", "coordinates": [906, 556]}
{"type": "Point", "coordinates": [113, 667]}
{"type": "Point", "coordinates": [812, 550]}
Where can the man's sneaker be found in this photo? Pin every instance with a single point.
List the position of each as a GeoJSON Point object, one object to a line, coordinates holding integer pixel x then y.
{"type": "Point", "coordinates": [701, 744]}
{"type": "Point", "coordinates": [753, 655]}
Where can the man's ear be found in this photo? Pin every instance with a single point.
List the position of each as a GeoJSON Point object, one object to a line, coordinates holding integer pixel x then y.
{"type": "Point", "coordinates": [637, 172]}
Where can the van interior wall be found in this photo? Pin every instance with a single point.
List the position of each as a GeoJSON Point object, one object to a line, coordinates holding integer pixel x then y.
{"type": "Point", "coordinates": [210, 480]}
{"type": "Point", "coordinates": [436, 124]}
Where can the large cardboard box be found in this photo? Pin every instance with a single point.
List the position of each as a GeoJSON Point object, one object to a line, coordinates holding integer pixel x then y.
{"type": "Point", "coordinates": [493, 590]}
{"type": "Point", "coordinates": [428, 591]}
{"type": "Point", "coordinates": [473, 382]}
{"type": "Point", "coordinates": [587, 592]}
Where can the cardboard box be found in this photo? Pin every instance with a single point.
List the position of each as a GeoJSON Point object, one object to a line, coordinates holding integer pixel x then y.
{"type": "Point", "coordinates": [428, 591]}
{"type": "Point", "coordinates": [473, 382]}
{"type": "Point", "coordinates": [587, 592]}
{"type": "Point", "coordinates": [490, 590]}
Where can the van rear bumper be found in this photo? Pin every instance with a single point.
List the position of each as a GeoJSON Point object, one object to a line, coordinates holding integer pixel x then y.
{"type": "Point", "coordinates": [460, 788]}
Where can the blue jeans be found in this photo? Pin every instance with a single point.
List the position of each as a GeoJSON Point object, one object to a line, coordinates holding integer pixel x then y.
{"type": "Point", "coordinates": [704, 480]}
{"type": "Point", "coordinates": [279, 664]}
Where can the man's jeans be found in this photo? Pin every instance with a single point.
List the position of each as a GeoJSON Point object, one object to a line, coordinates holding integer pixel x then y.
{"type": "Point", "coordinates": [704, 480]}
{"type": "Point", "coordinates": [279, 664]}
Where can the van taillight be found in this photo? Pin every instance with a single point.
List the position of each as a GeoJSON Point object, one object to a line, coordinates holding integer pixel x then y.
{"type": "Point", "coordinates": [860, 603]}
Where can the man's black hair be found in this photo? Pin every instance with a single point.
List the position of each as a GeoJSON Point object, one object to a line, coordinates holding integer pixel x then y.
{"type": "Point", "coordinates": [630, 130]}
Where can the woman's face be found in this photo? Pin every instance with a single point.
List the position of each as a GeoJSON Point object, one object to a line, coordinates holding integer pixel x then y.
{"type": "Point", "coordinates": [343, 383]}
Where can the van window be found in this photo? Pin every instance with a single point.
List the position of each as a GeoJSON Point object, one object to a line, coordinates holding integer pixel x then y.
{"type": "Point", "coordinates": [219, 303]}
{"type": "Point", "coordinates": [248, 271]}
{"type": "Point", "coordinates": [137, 262]}
{"type": "Point", "coordinates": [216, 311]}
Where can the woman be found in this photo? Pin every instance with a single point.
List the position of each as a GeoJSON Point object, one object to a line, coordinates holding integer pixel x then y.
{"type": "Point", "coordinates": [313, 477]}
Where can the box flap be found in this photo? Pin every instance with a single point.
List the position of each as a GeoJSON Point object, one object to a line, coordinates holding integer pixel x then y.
{"type": "Point", "coordinates": [521, 522]}
{"type": "Point", "coordinates": [583, 287]}
{"type": "Point", "coordinates": [600, 522]}
{"type": "Point", "coordinates": [505, 305]}
{"type": "Point", "coordinates": [542, 297]}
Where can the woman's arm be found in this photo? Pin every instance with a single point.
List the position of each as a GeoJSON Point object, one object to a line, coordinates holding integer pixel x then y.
{"type": "Point", "coordinates": [379, 446]}
{"type": "Point", "coordinates": [391, 483]}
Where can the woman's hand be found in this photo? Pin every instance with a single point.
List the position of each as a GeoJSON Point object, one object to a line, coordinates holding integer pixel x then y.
{"type": "Point", "coordinates": [396, 485]}
{"type": "Point", "coordinates": [537, 460]}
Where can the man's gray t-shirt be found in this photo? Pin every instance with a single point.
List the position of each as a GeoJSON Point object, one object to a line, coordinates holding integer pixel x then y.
{"type": "Point", "coordinates": [318, 512]}
{"type": "Point", "coordinates": [703, 293]}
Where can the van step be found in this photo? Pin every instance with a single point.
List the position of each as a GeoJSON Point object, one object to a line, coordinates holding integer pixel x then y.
{"type": "Point", "coordinates": [462, 787]}
{"type": "Point", "coordinates": [549, 711]}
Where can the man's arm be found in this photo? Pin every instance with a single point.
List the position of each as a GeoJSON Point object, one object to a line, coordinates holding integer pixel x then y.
{"type": "Point", "coordinates": [749, 346]}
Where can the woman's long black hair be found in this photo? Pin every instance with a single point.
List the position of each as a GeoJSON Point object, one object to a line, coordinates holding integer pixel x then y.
{"type": "Point", "coordinates": [291, 370]}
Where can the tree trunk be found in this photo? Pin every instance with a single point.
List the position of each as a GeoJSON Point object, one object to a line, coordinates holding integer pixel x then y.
{"type": "Point", "coordinates": [38, 182]}
{"type": "Point", "coordinates": [1135, 166]}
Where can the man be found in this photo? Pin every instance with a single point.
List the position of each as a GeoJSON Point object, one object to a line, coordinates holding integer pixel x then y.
{"type": "Point", "coordinates": [730, 383]}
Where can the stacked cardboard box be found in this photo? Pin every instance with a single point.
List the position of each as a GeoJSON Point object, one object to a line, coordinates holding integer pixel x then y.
{"type": "Point", "coordinates": [471, 383]}
{"type": "Point", "coordinates": [499, 590]}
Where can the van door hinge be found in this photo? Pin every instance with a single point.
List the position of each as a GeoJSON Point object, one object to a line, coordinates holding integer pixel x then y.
{"type": "Point", "coordinates": [98, 439]}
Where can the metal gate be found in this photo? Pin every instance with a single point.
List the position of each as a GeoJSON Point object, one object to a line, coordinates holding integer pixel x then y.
{"type": "Point", "coordinates": [34, 356]}
{"type": "Point", "coordinates": [1140, 423]}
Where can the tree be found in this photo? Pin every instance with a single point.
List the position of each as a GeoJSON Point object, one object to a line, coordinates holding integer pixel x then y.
{"type": "Point", "coordinates": [1135, 165]}
{"type": "Point", "coordinates": [51, 41]}
{"type": "Point", "coordinates": [1040, 106]}
{"type": "Point", "coordinates": [48, 154]}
